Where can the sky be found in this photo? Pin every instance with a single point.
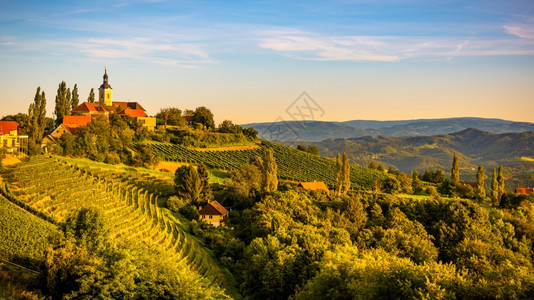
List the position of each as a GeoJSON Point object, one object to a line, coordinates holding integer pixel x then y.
{"type": "Point", "coordinates": [249, 61]}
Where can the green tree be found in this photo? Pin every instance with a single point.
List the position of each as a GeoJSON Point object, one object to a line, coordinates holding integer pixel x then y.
{"type": "Point", "coordinates": [269, 172]}
{"type": "Point", "coordinates": [500, 181]}
{"type": "Point", "coordinates": [91, 97]}
{"type": "Point", "coordinates": [37, 117]}
{"type": "Point", "coordinates": [494, 188]}
{"type": "Point", "coordinates": [417, 185]}
{"type": "Point", "coordinates": [228, 126]}
{"type": "Point", "coordinates": [339, 174]}
{"type": "Point", "coordinates": [313, 150]}
{"type": "Point", "coordinates": [192, 185]}
{"type": "Point", "coordinates": [62, 107]}
{"type": "Point", "coordinates": [455, 170]}
{"type": "Point", "coordinates": [301, 148]}
{"type": "Point", "coordinates": [171, 116]}
{"type": "Point", "coordinates": [480, 191]}
{"type": "Point", "coordinates": [75, 100]}
{"type": "Point", "coordinates": [204, 116]}
{"type": "Point", "coordinates": [345, 174]}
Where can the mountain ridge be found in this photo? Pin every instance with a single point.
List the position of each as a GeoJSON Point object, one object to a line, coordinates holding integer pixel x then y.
{"type": "Point", "coordinates": [315, 131]}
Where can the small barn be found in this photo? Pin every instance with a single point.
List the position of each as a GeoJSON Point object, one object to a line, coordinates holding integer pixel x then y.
{"type": "Point", "coordinates": [314, 186]}
{"type": "Point", "coordinates": [214, 213]}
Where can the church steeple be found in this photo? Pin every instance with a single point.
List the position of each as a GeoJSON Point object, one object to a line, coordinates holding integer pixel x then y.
{"type": "Point", "coordinates": [105, 91]}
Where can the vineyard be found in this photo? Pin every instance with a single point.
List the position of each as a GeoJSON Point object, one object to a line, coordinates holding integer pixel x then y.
{"type": "Point", "coordinates": [56, 188]}
{"type": "Point", "coordinates": [25, 237]}
{"type": "Point", "coordinates": [292, 164]}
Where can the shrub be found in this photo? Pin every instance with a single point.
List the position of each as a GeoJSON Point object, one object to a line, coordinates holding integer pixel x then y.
{"type": "Point", "coordinates": [189, 212]}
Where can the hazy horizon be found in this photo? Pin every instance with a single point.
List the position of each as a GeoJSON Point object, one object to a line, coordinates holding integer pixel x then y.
{"type": "Point", "coordinates": [249, 61]}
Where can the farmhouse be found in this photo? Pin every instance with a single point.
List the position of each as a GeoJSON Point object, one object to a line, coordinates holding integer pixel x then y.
{"type": "Point", "coordinates": [314, 186]}
{"type": "Point", "coordinates": [11, 139]}
{"type": "Point", "coordinates": [214, 213]}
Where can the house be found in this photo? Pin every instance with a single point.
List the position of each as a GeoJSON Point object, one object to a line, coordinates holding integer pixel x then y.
{"type": "Point", "coordinates": [525, 191]}
{"type": "Point", "coordinates": [314, 186]}
{"type": "Point", "coordinates": [188, 120]}
{"type": "Point", "coordinates": [70, 124]}
{"type": "Point", "coordinates": [214, 213]}
{"type": "Point", "coordinates": [88, 109]}
{"type": "Point", "coordinates": [11, 139]}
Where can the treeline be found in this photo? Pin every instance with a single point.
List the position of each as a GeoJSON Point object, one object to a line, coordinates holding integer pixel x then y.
{"type": "Point", "coordinates": [376, 246]}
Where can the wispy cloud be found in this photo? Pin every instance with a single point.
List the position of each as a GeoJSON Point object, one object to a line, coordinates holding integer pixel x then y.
{"type": "Point", "coordinates": [311, 46]}
{"type": "Point", "coordinates": [523, 30]}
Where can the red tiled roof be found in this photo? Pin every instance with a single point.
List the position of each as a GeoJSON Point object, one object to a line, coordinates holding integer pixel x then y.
{"type": "Point", "coordinates": [88, 107]}
{"type": "Point", "coordinates": [213, 208]}
{"type": "Point", "coordinates": [76, 121]}
{"type": "Point", "coordinates": [7, 126]}
{"type": "Point", "coordinates": [133, 113]}
{"type": "Point", "coordinates": [526, 191]}
{"type": "Point", "coordinates": [314, 185]}
{"type": "Point", "coordinates": [188, 118]}
{"type": "Point", "coordinates": [128, 105]}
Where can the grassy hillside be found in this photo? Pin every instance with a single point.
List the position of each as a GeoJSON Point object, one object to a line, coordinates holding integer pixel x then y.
{"type": "Point", "coordinates": [292, 164]}
{"type": "Point", "coordinates": [55, 188]}
{"type": "Point", "coordinates": [24, 236]}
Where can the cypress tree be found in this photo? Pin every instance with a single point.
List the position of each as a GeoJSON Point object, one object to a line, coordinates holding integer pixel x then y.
{"type": "Point", "coordinates": [494, 189]}
{"type": "Point", "coordinates": [500, 182]}
{"type": "Point", "coordinates": [455, 171]}
{"type": "Point", "coordinates": [188, 184]}
{"type": "Point", "coordinates": [91, 97]}
{"type": "Point", "coordinates": [62, 106]}
{"type": "Point", "coordinates": [269, 174]}
{"type": "Point", "coordinates": [37, 117]}
{"type": "Point", "coordinates": [416, 182]}
{"type": "Point", "coordinates": [339, 174]}
{"type": "Point", "coordinates": [480, 191]}
{"type": "Point", "coordinates": [75, 100]}
{"type": "Point", "coordinates": [203, 174]}
{"type": "Point", "coordinates": [346, 174]}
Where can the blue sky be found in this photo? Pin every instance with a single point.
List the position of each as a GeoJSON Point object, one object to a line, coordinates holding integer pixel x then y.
{"type": "Point", "coordinates": [249, 60]}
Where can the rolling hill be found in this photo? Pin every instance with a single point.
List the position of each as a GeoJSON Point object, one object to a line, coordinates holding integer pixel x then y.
{"type": "Point", "coordinates": [315, 131]}
{"type": "Point", "coordinates": [473, 146]}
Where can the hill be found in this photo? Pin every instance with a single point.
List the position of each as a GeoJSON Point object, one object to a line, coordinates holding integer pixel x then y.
{"type": "Point", "coordinates": [474, 147]}
{"type": "Point", "coordinates": [292, 164]}
{"type": "Point", "coordinates": [315, 131]}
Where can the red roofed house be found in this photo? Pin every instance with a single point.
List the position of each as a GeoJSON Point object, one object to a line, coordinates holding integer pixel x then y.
{"type": "Point", "coordinates": [214, 213]}
{"type": "Point", "coordinates": [88, 108]}
{"type": "Point", "coordinates": [70, 124]}
{"type": "Point", "coordinates": [10, 139]}
{"type": "Point", "coordinates": [526, 191]}
{"type": "Point", "coordinates": [188, 120]}
{"type": "Point", "coordinates": [314, 186]}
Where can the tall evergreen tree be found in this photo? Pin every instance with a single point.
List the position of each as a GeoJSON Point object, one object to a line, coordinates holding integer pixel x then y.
{"type": "Point", "coordinates": [37, 117]}
{"type": "Point", "coordinates": [203, 174]}
{"type": "Point", "coordinates": [416, 182]}
{"type": "Point", "coordinates": [455, 171]}
{"type": "Point", "coordinates": [188, 184]}
{"type": "Point", "coordinates": [494, 189]}
{"type": "Point", "coordinates": [75, 100]}
{"type": "Point", "coordinates": [500, 182]}
{"type": "Point", "coordinates": [346, 174]}
{"type": "Point", "coordinates": [91, 97]}
{"type": "Point", "coordinates": [62, 103]}
{"type": "Point", "coordinates": [269, 172]}
{"type": "Point", "coordinates": [480, 191]}
{"type": "Point", "coordinates": [339, 174]}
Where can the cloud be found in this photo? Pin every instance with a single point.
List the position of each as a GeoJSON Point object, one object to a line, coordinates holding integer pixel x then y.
{"type": "Point", "coordinates": [6, 40]}
{"type": "Point", "coordinates": [312, 46]}
{"type": "Point", "coordinates": [525, 31]}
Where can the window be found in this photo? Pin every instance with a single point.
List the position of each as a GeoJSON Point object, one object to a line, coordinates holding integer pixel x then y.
{"type": "Point", "coordinates": [211, 217]}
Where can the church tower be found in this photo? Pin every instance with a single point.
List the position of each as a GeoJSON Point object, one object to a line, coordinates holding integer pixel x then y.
{"type": "Point", "coordinates": [105, 91]}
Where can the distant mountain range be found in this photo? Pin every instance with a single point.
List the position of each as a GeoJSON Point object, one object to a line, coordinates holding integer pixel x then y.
{"type": "Point", "coordinates": [315, 131]}
{"type": "Point", "coordinates": [474, 147]}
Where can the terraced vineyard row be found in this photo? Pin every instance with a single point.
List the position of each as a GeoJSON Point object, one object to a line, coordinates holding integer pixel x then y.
{"type": "Point", "coordinates": [56, 188]}
{"type": "Point", "coordinates": [292, 164]}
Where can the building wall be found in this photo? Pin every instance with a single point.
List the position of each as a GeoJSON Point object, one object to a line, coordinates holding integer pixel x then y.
{"type": "Point", "coordinates": [215, 220]}
{"type": "Point", "coordinates": [148, 122]}
{"type": "Point", "coordinates": [13, 142]}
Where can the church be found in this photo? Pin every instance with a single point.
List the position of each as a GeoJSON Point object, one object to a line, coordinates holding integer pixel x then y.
{"type": "Point", "coordinates": [81, 114]}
